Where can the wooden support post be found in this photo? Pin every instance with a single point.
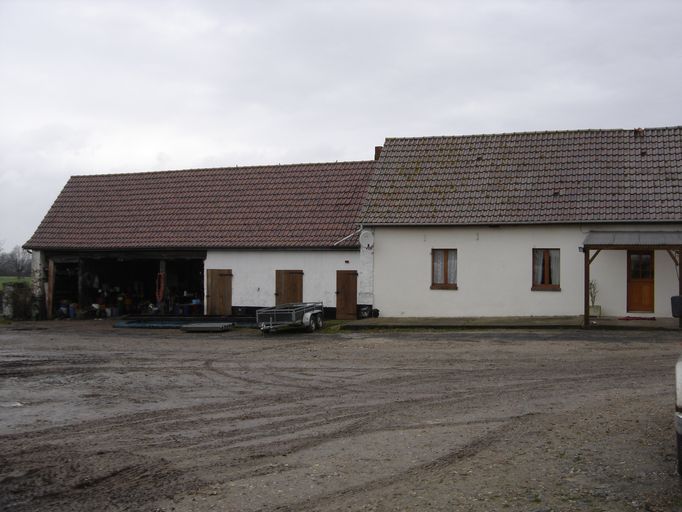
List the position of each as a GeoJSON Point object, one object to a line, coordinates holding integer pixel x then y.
{"type": "Point", "coordinates": [586, 311]}
{"type": "Point", "coordinates": [679, 278]}
{"type": "Point", "coordinates": [162, 272]}
{"type": "Point", "coordinates": [81, 284]}
{"type": "Point", "coordinates": [49, 296]}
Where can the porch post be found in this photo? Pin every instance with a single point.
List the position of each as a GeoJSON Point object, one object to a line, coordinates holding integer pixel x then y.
{"type": "Point", "coordinates": [161, 287]}
{"type": "Point", "coordinates": [49, 296]}
{"type": "Point", "coordinates": [81, 285]}
{"type": "Point", "coordinates": [679, 278]}
{"type": "Point", "coordinates": [586, 295]}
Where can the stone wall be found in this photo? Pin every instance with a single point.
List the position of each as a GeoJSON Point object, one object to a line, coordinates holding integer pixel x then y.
{"type": "Point", "coordinates": [16, 301]}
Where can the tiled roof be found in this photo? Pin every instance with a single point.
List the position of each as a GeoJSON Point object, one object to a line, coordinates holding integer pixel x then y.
{"type": "Point", "coordinates": [529, 178]}
{"type": "Point", "coordinates": [282, 206]}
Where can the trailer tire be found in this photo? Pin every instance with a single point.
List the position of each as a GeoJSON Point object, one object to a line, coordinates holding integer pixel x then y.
{"type": "Point", "coordinates": [318, 321]}
{"type": "Point", "coordinates": [312, 325]}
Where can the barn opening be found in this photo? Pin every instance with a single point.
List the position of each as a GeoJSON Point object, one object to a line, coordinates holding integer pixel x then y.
{"type": "Point", "coordinates": [131, 283]}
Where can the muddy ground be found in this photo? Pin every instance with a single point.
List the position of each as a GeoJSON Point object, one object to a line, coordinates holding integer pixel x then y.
{"type": "Point", "coordinates": [95, 418]}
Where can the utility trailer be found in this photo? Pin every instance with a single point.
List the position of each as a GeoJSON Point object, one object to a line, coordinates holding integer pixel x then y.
{"type": "Point", "coordinates": [302, 314]}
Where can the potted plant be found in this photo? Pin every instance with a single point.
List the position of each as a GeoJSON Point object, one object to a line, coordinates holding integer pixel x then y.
{"type": "Point", "coordinates": [593, 292]}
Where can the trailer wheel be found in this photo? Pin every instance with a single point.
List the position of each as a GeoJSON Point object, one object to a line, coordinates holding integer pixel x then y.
{"type": "Point", "coordinates": [318, 321]}
{"type": "Point", "coordinates": [312, 325]}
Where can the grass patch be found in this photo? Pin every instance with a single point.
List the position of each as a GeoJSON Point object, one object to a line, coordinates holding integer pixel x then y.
{"type": "Point", "coordinates": [332, 325]}
{"type": "Point", "coordinates": [12, 279]}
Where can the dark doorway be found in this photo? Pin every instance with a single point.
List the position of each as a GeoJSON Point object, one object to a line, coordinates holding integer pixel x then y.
{"type": "Point", "coordinates": [103, 285]}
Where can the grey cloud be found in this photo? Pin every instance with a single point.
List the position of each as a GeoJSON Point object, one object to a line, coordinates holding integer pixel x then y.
{"type": "Point", "coordinates": [121, 86]}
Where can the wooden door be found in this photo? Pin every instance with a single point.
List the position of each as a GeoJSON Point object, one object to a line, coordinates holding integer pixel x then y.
{"type": "Point", "coordinates": [346, 294]}
{"type": "Point", "coordinates": [288, 286]}
{"type": "Point", "coordinates": [641, 281]}
{"type": "Point", "coordinates": [219, 288]}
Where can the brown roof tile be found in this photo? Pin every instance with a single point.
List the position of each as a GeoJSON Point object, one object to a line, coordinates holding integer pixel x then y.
{"type": "Point", "coordinates": [282, 206]}
{"type": "Point", "coordinates": [535, 177]}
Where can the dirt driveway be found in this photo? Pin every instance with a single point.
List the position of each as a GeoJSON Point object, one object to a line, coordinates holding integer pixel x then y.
{"type": "Point", "coordinates": [93, 418]}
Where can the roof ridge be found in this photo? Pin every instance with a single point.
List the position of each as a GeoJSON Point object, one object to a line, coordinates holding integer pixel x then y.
{"type": "Point", "coordinates": [530, 132]}
{"type": "Point", "coordinates": [234, 167]}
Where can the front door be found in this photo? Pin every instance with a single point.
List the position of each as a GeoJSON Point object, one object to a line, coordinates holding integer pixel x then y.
{"type": "Point", "coordinates": [346, 294]}
{"type": "Point", "coordinates": [219, 292]}
{"type": "Point", "coordinates": [641, 281]}
{"type": "Point", "coordinates": [288, 286]}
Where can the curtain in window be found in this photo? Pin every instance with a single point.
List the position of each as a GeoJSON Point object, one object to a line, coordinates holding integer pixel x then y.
{"type": "Point", "coordinates": [554, 266]}
{"type": "Point", "coordinates": [538, 258]}
{"type": "Point", "coordinates": [452, 266]}
{"type": "Point", "coordinates": [438, 266]}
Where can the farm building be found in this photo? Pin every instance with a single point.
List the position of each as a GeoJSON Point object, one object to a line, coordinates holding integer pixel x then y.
{"type": "Point", "coordinates": [520, 224]}
{"type": "Point", "coordinates": [205, 241]}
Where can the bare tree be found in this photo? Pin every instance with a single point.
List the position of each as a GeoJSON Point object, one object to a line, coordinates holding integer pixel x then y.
{"type": "Point", "coordinates": [16, 262]}
{"type": "Point", "coordinates": [22, 261]}
{"type": "Point", "coordinates": [4, 263]}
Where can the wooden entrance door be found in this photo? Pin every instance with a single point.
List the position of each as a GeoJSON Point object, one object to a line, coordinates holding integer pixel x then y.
{"type": "Point", "coordinates": [641, 281]}
{"type": "Point", "coordinates": [346, 294]}
{"type": "Point", "coordinates": [219, 292]}
{"type": "Point", "coordinates": [288, 286]}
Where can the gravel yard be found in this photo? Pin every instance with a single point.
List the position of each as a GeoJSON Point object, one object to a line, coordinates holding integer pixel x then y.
{"type": "Point", "coordinates": [96, 418]}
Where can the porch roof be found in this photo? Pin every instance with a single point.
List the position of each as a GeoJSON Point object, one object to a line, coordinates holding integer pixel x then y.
{"type": "Point", "coordinates": [633, 240]}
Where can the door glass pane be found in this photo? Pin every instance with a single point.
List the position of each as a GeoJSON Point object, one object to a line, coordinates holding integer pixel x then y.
{"type": "Point", "coordinates": [634, 266]}
{"type": "Point", "coordinates": [646, 269]}
{"type": "Point", "coordinates": [438, 266]}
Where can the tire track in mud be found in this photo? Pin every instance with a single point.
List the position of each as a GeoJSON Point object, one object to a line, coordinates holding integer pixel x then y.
{"type": "Point", "coordinates": [363, 425]}
{"type": "Point", "coordinates": [209, 365]}
{"type": "Point", "coordinates": [248, 459]}
{"type": "Point", "coordinates": [264, 469]}
{"type": "Point", "coordinates": [452, 457]}
{"type": "Point", "coordinates": [184, 448]}
{"type": "Point", "coordinates": [60, 478]}
{"type": "Point", "coordinates": [220, 443]}
{"type": "Point", "coordinates": [185, 417]}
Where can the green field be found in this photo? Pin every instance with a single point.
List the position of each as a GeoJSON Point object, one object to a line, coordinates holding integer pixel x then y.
{"type": "Point", "coordinates": [11, 279]}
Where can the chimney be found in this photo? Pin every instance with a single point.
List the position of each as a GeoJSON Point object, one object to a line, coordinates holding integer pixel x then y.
{"type": "Point", "coordinates": [639, 132]}
{"type": "Point", "coordinates": [377, 151]}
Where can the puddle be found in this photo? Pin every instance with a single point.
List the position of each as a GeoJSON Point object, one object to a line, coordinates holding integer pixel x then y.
{"type": "Point", "coordinates": [11, 404]}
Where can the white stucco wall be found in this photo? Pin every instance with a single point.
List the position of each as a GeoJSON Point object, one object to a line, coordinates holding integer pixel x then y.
{"type": "Point", "coordinates": [253, 273]}
{"type": "Point", "coordinates": [494, 272]}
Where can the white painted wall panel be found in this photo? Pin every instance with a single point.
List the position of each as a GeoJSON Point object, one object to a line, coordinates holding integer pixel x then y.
{"type": "Point", "coordinates": [253, 281]}
{"type": "Point", "coordinates": [495, 272]}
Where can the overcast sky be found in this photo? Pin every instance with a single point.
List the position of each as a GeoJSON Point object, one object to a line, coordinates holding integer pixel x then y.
{"type": "Point", "coordinates": [117, 86]}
